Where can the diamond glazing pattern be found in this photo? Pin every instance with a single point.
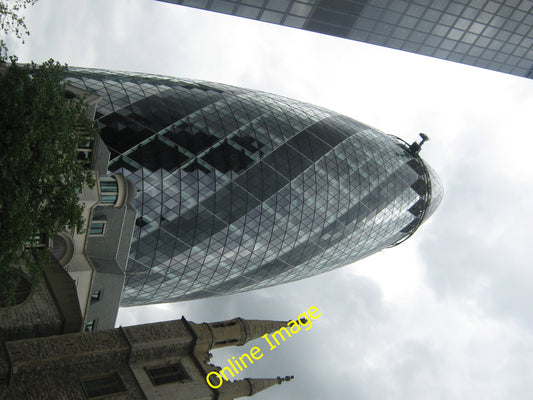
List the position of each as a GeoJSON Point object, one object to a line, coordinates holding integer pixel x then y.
{"type": "Point", "coordinates": [241, 189]}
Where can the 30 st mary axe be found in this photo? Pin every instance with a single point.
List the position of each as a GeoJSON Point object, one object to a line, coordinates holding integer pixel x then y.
{"type": "Point", "coordinates": [492, 34]}
{"type": "Point", "coordinates": [241, 189]}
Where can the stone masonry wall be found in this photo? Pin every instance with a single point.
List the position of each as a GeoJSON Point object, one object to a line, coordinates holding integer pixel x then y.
{"type": "Point", "coordinates": [157, 341]}
{"type": "Point", "coordinates": [35, 317]}
{"type": "Point", "coordinates": [51, 367]}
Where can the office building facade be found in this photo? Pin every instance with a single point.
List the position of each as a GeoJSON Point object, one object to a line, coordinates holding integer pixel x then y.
{"type": "Point", "coordinates": [497, 35]}
{"type": "Point", "coordinates": [83, 279]}
{"type": "Point", "coordinates": [241, 189]}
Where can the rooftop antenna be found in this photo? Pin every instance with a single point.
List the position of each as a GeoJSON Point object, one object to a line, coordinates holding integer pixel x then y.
{"type": "Point", "coordinates": [415, 147]}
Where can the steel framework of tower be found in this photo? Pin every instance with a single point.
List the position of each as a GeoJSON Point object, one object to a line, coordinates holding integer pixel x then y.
{"type": "Point", "coordinates": [241, 189]}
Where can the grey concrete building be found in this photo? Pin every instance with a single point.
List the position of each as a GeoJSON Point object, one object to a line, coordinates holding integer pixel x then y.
{"type": "Point", "coordinates": [490, 34]}
{"type": "Point", "coordinates": [96, 258]}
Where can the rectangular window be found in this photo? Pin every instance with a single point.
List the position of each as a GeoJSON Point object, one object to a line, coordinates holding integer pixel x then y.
{"type": "Point", "coordinates": [85, 150]}
{"type": "Point", "coordinates": [109, 198]}
{"type": "Point", "coordinates": [248, 12]}
{"type": "Point", "coordinates": [97, 227]}
{"type": "Point", "coordinates": [39, 240]}
{"type": "Point", "coordinates": [102, 385]}
{"type": "Point", "coordinates": [86, 143]}
{"type": "Point", "coordinates": [84, 155]}
{"type": "Point", "coordinates": [167, 374]}
{"type": "Point", "coordinates": [96, 296]}
{"type": "Point", "coordinates": [109, 185]}
{"type": "Point", "coordinates": [90, 326]}
{"type": "Point", "coordinates": [109, 189]}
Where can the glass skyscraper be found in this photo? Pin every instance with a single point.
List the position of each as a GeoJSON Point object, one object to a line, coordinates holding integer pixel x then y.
{"type": "Point", "coordinates": [240, 189]}
{"type": "Point", "coordinates": [496, 35]}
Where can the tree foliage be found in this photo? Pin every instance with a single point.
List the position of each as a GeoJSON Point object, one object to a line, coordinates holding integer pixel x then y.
{"type": "Point", "coordinates": [11, 21]}
{"type": "Point", "coordinates": [40, 174]}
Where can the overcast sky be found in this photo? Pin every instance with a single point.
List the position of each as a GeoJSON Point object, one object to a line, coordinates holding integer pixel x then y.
{"type": "Point", "coordinates": [446, 315]}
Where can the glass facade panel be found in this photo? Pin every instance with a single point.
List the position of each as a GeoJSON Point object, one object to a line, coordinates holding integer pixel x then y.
{"type": "Point", "coordinates": [454, 20]}
{"type": "Point", "coordinates": [243, 189]}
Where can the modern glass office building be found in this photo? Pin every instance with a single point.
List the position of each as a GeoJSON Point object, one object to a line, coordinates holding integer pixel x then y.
{"type": "Point", "coordinates": [496, 35]}
{"type": "Point", "coordinates": [241, 189]}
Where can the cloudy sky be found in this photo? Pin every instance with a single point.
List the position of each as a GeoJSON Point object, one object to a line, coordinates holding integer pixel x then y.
{"type": "Point", "coordinates": [446, 315]}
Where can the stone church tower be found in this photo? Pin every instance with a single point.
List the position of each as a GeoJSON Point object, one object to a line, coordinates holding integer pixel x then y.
{"type": "Point", "coordinates": [166, 360]}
